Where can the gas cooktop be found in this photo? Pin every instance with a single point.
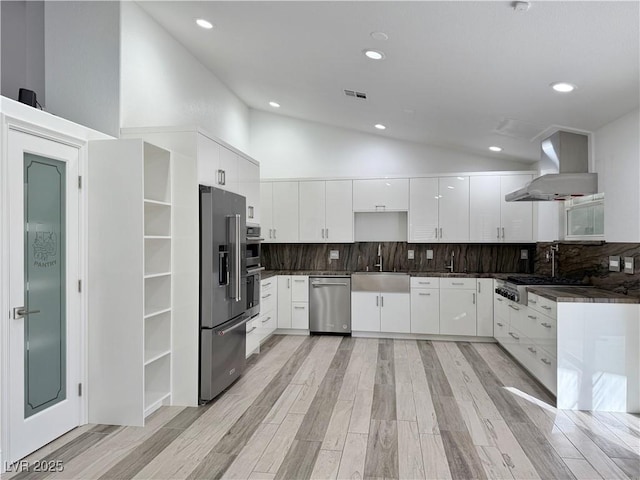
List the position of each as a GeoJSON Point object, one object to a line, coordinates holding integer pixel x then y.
{"type": "Point", "coordinates": [515, 287]}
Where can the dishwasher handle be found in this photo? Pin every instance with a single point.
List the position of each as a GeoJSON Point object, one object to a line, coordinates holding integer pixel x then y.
{"type": "Point", "coordinates": [330, 284]}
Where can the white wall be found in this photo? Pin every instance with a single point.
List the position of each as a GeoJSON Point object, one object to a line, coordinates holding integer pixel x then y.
{"type": "Point", "coordinates": [82, 60]}
{"type": "Point", "coordinates": [162, 84]}
{"type": "Point", "coordinates": [22, 48]}
{"type": "Point", "coordinates": [290, 148]}
{"type": "Point", "coordinates": [617, 162]}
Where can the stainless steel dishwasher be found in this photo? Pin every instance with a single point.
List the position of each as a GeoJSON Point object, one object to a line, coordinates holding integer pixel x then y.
{"type": "Point", "coordinates": [330, 304]}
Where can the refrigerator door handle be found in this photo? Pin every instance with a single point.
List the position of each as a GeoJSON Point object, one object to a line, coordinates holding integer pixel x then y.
{"type": "Point", "coordinates": [237, 281]}
{"type": "Point", "coordinates": [233, 327]}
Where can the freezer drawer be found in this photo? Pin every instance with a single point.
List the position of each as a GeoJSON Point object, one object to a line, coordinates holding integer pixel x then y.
{"type": "Point", "coordinates": [222, 356]}
{"type": "Point", "coordinates": [330, 305]}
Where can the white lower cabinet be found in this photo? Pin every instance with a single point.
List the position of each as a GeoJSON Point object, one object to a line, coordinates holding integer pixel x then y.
{"type": "Point", "coordinates": [380, 312]}
{"type": "Point", "coordinates": [425, 310]}
{"type": "Point", "coordinates": [253, 341]}
{"type": "Point", "coordinates": [265, 323]}
{"type": "Point", "coordinates": [293, 302]}
{"type": "Point", "coordinates": [458, 307]}
{"type": "Point", "coordinates": [484, 307]}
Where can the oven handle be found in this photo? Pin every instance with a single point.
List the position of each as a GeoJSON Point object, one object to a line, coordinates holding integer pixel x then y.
{"type": "Point", "coordinates": [252, 271]}
{"type": "Point", "coordinates": [233, 327]}
{"type": "Point", "coordinates": [254, 240]}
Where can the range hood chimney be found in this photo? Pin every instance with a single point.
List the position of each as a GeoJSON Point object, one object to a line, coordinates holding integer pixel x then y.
{"type": "Point", "coordinates": [567, 154]}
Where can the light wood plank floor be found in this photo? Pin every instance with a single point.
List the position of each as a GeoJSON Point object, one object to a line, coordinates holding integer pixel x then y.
{"type": "Point", "coordinates": [331, 407]}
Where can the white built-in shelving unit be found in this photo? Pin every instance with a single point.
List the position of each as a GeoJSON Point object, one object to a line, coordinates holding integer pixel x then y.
{"type": "Point", "coordinates": [130, 272]}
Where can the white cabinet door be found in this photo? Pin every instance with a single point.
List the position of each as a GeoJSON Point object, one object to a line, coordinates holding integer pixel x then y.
{"type": "Point", "coordinates": [484, 209]}
{"type": "Point", "coordinates": [425, 310]}
{"type": "Point", "coordinates": [484, 308]}
{"type": "Point", "coordinates": [208, 161]}
{"type": "Point", "coordinates": [454, 209]}
{"type": "Point", "coordinates": [284, 301]}
{"type": "Point", "coordinates": [249, 187]}
{"type": "Point", "coordinates": [339, 211]}
{"type": "Point", "coordinates": [380, 195]}
{"type": "Point", "coordinates": [423, 210]}
{"type": "Point", "coordinates": [312, 211]}
{"type": "Point", "coordinates": [300, 315]}
{"type": "Point", "coordinates": [266, 212]}
{"type": "Point", "coordinates": [395, 312]}
{"type": "Point", "coordinates": [299, 288]}
{"type": "Point", "coordinates": [227, 177]}
{"type": "Point", "coordinates": [285, 212]}
{"type": "Point", "coordinates": [365, 312]}
{"type": "Point", "coordinates": [517, 217]}
{"type": "Point", "coordinates": [457, 312]}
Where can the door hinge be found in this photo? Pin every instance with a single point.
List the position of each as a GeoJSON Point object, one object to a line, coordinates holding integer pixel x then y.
{"type": "Point", "coordinates": [79, 181]}
{"type": "Point", "coordinates": [79, 286]}
{"type": "Point", "coordinates": [79, 389]}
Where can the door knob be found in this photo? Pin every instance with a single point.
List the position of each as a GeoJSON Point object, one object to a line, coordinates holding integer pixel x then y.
{"type": "Point", "coordinates": [19, 312]}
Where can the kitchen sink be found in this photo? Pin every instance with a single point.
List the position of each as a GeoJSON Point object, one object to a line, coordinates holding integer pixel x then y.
{"type": "Point", "coordinates": [391, 282]}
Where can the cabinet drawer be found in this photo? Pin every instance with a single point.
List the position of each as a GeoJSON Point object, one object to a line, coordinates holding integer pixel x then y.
{"type": "Point", "coordinates": [300, 315]}
{"type": "Point", "coordinates": [501, 330]}
{"type": "Point", "coordinates": [548, 370]}
{"type": "Point", "coordinates": [268, 301]}
{"type": "Point", "coordinates": [268, 285]}
{"type": "Point", "coordinates": [253, 338]}
{"type": "Point", "coordinates": [299, 288]}
{"type": "Point", "coordinates": [546, 333]}
{"type": "Point", "coordinates": [267, 324]}
{"type": "Point", "coordinates": [425, 282]}
{"type": "Point", "coordinates": [542, 305]}
{"type": "Point", "coordinates": [469, 283]}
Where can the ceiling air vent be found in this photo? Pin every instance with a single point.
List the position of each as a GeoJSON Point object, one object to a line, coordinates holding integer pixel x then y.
{"type": "Point", "coordinates": [353, 93]}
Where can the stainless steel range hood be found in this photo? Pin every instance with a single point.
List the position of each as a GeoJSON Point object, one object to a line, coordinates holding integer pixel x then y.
{"type": "Point", "coordinates": [566, 153]}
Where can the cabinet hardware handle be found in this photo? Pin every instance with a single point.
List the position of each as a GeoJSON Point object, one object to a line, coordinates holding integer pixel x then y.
{"type": "Point", "coordinates": [381, 301]}
{"type": "Point", "coordinates": [270, 233]}
{"type": "Point", "coordinates": [457, 283]}
{"type": "Point", "coordinates": [546, 325]}
{"type": "Point", "coordinates": [377, 300]}
{"type": "Point", "coordinates": [515, 308]}
{"type": "Point", "coordinates": [252, 329]}
{"type": "Point", "coordinates": [545, 361]}
{"type": "Point", "coordinates": [288, 283]}
{"type": "Point", "coordinates": [298, 281]}
{"type": "Point", "coordinates": [500, 324]}
{"type": "Point", "coordinates": [498, 299]}
{"type": "Point", "coordinates": [424, 283]}
{"type": "Point", "coordinates": [381, 206]}
{"type": "Point", "coordinates": [533, 301]}
{"type": "Point", "coordinates": [440, 233]}
{"type": "Point", "coordinates": [532, 317]}
{"type": "Point", "coordinates": [546, 307]}
{"type": "Point", "coordinates": [514, 335]}
{"type": "Point", "coordinates": [322, 229]}
{"type": "Point", "coordinates": [498, 230]}
{"type": "Point", "coordinates": [425, 294]}
{"type": "Point", "coordinates": [274, 233]}
{"type": "Point", "coordinates": [532, 350]}
{"type": "Point", "coordinates": [266, 284]}
{"type": "Point", "coordinates": [327, 233]}
{"type": "Point", "coordinates": [502, 232]}
{"type": "Point", "coordinates": [474, 298]}
{"type": "Point", "coordinates": [266, 320]}
{"type": "Point", "coordinates": [299, 308]}
{"type": "Point", "coordinates": [220, 177]}
{"type": "Point", "coordinates": [250, 211]}
{"type": "Point", "coordinates": [436, 232]}
{"type": "Point", "coordinates": [266, 296]}
{"type": "Point", "coordinates": [479, 287]}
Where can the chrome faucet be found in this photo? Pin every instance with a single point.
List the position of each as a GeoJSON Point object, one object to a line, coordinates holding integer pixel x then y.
{"type": "Point", "coordinates": [379, 258]}
{"type": "Point", "coordinates": [450, 266]}
{"type": "Point", "coordinates": [552, 252]}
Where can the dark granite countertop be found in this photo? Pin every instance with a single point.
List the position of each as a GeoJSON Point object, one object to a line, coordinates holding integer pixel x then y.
{"type": "Point", "coordinates": [581, 295]}
{"type": "Point", "coordinates": [270, 273]}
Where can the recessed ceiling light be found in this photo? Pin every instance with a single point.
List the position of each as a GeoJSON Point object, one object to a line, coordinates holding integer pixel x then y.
{"type": "Point", "coordinates": [460, 178]}
{"type": "Point", "coordinates": [450, 187]}
{"type": "Point", "coordinates": [563, 87]}
{"type": "Point", "coordinates": [204, 23]}
{"type": "Point", "coordinates": [374, 54]}
{"type": "Point", "coordinates": [493, 148]}
{"type": "Point", "coordinates": [379, 126]}
{"type": "Point", "coordinates": [274, 104]}
{"type": "Point", "coordinates": [379, 36]}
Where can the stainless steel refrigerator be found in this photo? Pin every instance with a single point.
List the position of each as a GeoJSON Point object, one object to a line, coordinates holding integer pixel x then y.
{"type": "Point", "coordinates": [223, 284]}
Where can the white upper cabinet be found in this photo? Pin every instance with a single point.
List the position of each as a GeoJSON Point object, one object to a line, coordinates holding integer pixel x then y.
{"type": "Point", "coordinates": [492, 218]}
{"type": "Point", "coordinates": [266, 211]}
{"type": "Point", "coordinates": [227, 173]}
{"type": "Point", "coordinates": [208, 159]}
{"type": "Point", "coordinates": [517, 217]}
{"type": "Point", "coordinates": [312, 211]}
{"type": "Point", "coordinates": [453, 210]}
{"type": "Point", "coordinates": [326, 213]}
{"type": "Point", "coordinates": [285, 212]}
{"type": "Point", "coordinates": [381, 195]}
{"type": "Point", "coordinates": [485, 203]}
{"type": "Point", "coordinates": [423, 210]}
{"type": "Point", "coordinates": [249, 187]}
{"type": "Point", "coordinates": [339, 211]}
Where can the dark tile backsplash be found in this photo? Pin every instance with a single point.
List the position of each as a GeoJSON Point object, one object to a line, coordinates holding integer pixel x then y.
{"type": "Point", "coordinates": [590, 263]}
{"type": "Point", "coordinates": [468, 258]}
